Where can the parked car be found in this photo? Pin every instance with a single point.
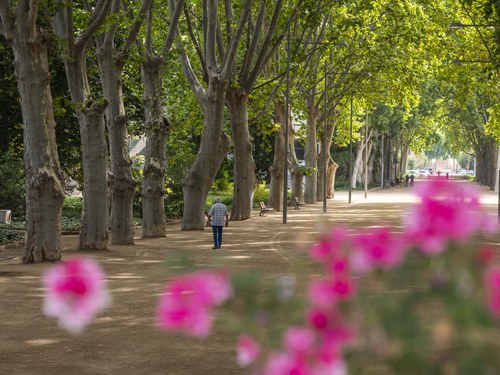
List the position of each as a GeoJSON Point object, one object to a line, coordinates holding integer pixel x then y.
{"type": "Point", "coordinates": [414, 171]}
{"type": "Point", "coordinates": [423, 172]}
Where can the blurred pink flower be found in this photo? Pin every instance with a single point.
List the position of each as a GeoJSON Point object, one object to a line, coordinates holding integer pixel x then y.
{"type": "Point", "coordinates": [492, 281]}
{"type": "Point", "coordinates": [376, 247]}
{"type": "Point", "coordinates": [448, 212]}
{"type": "Point", "coordinates": [330, 323]}
{"type": "Point", "coordinates": [299, 339]}
{"type": "Point", "coordinates": [326, 292]}
{"type": "Point", "coordinates": [284, 363]}
{"type": "Point", "coordinates": [331, 246]}
{"type": "Point", "coordinates": [248, 350]}
{"type": "Point", "coordinates": [75, 292]}
{"type": "Point", "coordinates": [485, 255]}
{"type": "Point", "coordinates": [187, 302]}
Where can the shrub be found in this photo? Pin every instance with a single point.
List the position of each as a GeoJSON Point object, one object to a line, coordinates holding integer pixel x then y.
{"type": "Point", "coordinates": [12, 196]}
{"type": "Point", "coordinates": [72, 207]}
{"type": "Point", "coordinates": [7, 237]}
{"type": "Point", "coordinates": [260, 194]}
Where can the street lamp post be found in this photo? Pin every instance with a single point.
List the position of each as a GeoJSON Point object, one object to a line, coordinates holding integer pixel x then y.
{"type": "Point", "coordinates": [350, 155]}
{"type": "Point", "coordinates": [325, 140]}
{"type": "Point", "coordinates": [287, 109]}
{"type": "Point", "coordinates": [366, 153]}
{"type": "Point", "coordinates": [382, 162]}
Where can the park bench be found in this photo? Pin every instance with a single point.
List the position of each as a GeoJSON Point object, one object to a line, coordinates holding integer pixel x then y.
{"type": "Point", "coordinates": [263, 209]}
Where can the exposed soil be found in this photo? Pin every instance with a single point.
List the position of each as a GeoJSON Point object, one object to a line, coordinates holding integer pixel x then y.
{"type": "Point", "coordinates": [123, 340]}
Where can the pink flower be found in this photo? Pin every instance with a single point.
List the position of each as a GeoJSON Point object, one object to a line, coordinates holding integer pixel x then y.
{"type": "Point", "coordinates": [75, 292]}
{"type": "Point", "coordinates": [376, 248]}
{"type": "Point", "coordinates": [299, 339]}
{"type": "Point", "coordinates": [187, 302]}
{"type": "Point", "coordinates": [485, 255]}
{"type": "Point", "coordinates": [283, 363]}
{"type": "Point", "coordinates": [329, 247]}
{"type": "Point", "coordinates": [448, 212]}
{"type": "Point", "coordinates": [330, 324]}
{"type": "Point", "coordinates": [248, 350]}
{"type": "Point", "coordinates": [325, 292]}
{"type": "Point", "coordinates": [492, 281]}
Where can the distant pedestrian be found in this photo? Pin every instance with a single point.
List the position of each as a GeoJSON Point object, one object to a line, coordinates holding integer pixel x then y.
{"type": "Point", "coordinates": [407, 179]}
{"type": "Point", "coordinates": [219, 217]}
{"type": "Point", "coordinates": [412, 179]}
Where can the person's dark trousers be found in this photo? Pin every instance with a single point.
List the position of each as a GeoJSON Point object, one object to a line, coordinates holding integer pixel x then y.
{"type": "Point", "coordinates": [217, 231]}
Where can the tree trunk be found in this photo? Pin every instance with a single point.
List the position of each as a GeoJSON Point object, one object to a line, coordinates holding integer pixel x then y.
{"type": "Point", "coordinates": [278, 166]}
{"type": "Point", "coordinates": [153, 190]}
{"type": "Point", "coordinates": [95, 219]}
{"type": "Point", "coordinates": [326, 143]}
{"type": "Point", "coordinates": [357, 163]}
{"type": "Point", "coordinates": [213, 150]}
{"type": "Point", "coordinates": [371, 162]}
{"type": "Point", "coordinates": [486, 156]}
{"type": "Point", "coordinates": [311, 157]}
{"type": "Point", "coordinates": [404, 158]}
{"type": "Point", "coordinates": [244, 172]}
{"type": "Point", "coordinates": [90, 115]}
{"type": "Point", "coordinates": [44, 183]}
{"type": "Point", "coordinates": [121, 181]}
{"type": "Point", "coordinates": [390, 160]}
{"type": "Point", "coordinates": [296, 171]}
{"type": "Point", "coordinates": [330, 182]}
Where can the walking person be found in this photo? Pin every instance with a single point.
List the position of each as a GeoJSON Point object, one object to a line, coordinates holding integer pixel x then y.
{"type": "Point", "coordinates": [219, 217]}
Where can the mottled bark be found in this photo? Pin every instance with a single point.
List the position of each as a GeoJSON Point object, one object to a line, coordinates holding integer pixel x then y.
{"type": "Point", "coordinates": [90, 115]}
{"type": "Point", "coordinates": [95, 219]}
{"type": "Point", "coordinates": [244, 172]}
{"type": "Point", "coordinates": [122, 183]}
{"type": "Point", "coordinates": [44, 183]}
{"type": "Point", "coordinates": [153, 191]}
{"type": "Point", "coordinates": [324, 157]}
{"type": "Point", "coordinates": [311, 156]}
{"type": "Point", "coordinates": [296, 171]}
{"type": "Point", "coordinates": [213, 150]}
{"type": "Point", "coordinates": [358, 161]}
{"type": "Point", "coordinates": [486, 157]}
{"type": "Point", "coordinates": [330, 182]}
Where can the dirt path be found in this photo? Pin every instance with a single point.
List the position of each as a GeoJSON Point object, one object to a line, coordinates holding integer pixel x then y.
{"type": "Point", "coordinates": [123, 339]}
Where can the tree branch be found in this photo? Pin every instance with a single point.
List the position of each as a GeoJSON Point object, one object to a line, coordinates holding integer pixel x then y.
{"type": "Point", "coordinates": [210, 36]}
{"type": "Point", "coordinates": [174, 21]}
{"type": "Point", "coordinates": [136, 27]}
{"type": "Point", "coordinates": [191, 78]}
{"type": "Point", "coordinates": [110, 34]}
{"type": "Point", "coordinates": [220, 40]}
{"type": "Point", "coordinates": [229, 19]}
{"type": "Point", "coordinates": [32, 15]}
{"type": "Point", "coordinates": [149, 31]}
{"type": "Point", "coordinates": [196, 44]}
{"type": "Point", "coordinates": [96, 20]}
{"type": "Point", "coordinates": [254, 42]}
{"type": "Point", "coordinates": [235, 39]}
{"type": "Point", "coordinates": [6, 19]}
